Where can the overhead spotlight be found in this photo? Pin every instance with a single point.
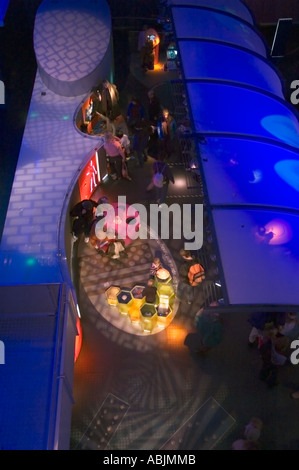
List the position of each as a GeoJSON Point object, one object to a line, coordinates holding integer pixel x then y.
{"type": "Point", "coordinates": [194, 163]}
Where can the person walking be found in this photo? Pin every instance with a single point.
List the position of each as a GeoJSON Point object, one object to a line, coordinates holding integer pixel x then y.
{"type": "Point", "coordinates": [115, 154]}
{"type": "Point", "coordinates": [162, 176]}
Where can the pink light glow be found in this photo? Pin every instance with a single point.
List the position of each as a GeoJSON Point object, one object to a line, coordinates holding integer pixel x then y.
{"type": "Point", "coordinates": [275, 232]}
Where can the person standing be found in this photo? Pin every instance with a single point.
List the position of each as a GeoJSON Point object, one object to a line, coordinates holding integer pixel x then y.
{"type": "Point", "coordinates": [150, 292]}
{"type": "Point", "coordinates": [272, 358]}
{"type": "Point", "coordinates": [135, 114]}
{"type": "Point", "coordinates": [167, 132]}
{"type": "Point", "coordinates": [115, 154]}
{"type": "Point", "coordinates": [253, 429]}
{"type": "Point", "coordinates": [147, 55]}
{"type": "Point", "coordinates": [89, 111]}
{"type": "Point", "coordinates": [140, 142]}
{"type": "Point", "coordinates": [153, 108]}
{"type": "Point", "coordinates": [155, 266]}
{"type": "Point", "coordinates": [97, 103]}
{"type": "Point", "coordinates": [83, 213]}
{"type": "Point", "coordinates": [125, 143]}
{"type": "Point", "coordinates": [210, 329]}
{"type": "Point", "coordinates": [109, 99]}
{"type": "Point", "coordinates": [245, 444]}
{"type": "Point", "coordinates": [187, 285]}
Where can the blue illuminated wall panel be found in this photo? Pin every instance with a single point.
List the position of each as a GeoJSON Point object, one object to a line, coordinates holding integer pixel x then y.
{"type": "Point", "coordinates": [242, 171]}
{"type": "Point", "coordinates": [248, 151]}
{"type": "Point", "coordinates": [227, 6]}
{"type": "Point", "coordinates": [202, 59]}
{"type": "Point", "coordinates": [260, 255]}
{"type": "Point", "coordinates": [230, 109]}
{"type": "Point", "coordinates": [3, 8]}
{"type": "Point", "coordinates": [198, 23]}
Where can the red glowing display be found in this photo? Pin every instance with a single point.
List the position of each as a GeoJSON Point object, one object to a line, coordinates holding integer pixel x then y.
{"type": "Point", "coordinates": [89, 178]}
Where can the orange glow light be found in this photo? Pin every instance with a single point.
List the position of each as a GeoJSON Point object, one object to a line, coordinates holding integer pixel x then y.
{"type": "Point", "coordinates": [156, 41]}
{"type": "Point", "coordinates": [78, 341]}
{"type": "Point", "coordinates": [163, 274]}
{"type": "Point", "coordinates": [159, 66]}
{"type": "Point", "coordinates": [176, 335]}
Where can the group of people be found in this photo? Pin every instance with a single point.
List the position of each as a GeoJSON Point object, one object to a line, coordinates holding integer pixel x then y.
{"type": "Point", "coordinates": [85, 221]}
{"type": "Point", "coordinates": [208, 324]}
{"type": "Point", "coordinates": [153, 130]}
{"type": "Point", "coordinates": [272, 333]}
{"type": "Point", "coordinates": [102, 110]}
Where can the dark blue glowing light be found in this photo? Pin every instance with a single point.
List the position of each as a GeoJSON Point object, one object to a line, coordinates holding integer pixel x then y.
{"type": "Point", "coordinates": [286, 128]}
{"type": "Point", "coordinates": [288, 170]}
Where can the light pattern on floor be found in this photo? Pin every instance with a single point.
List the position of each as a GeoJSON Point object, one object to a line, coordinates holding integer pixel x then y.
{"type": "Point", "coordinates": [203, 430]}
{"type": "Point", "coordinates": [104, 424]}
{"type": "Point", "coordinates": [98, 273]}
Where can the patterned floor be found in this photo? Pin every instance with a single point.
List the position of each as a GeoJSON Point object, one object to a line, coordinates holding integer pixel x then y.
{"type": "Point", "coordinates": [98, 273]}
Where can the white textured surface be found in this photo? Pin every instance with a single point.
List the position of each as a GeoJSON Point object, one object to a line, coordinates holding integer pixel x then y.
{"type": "Point", "coordinates": [69, 42]}
{"type": "Point", "coordinates": [51, 153]}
